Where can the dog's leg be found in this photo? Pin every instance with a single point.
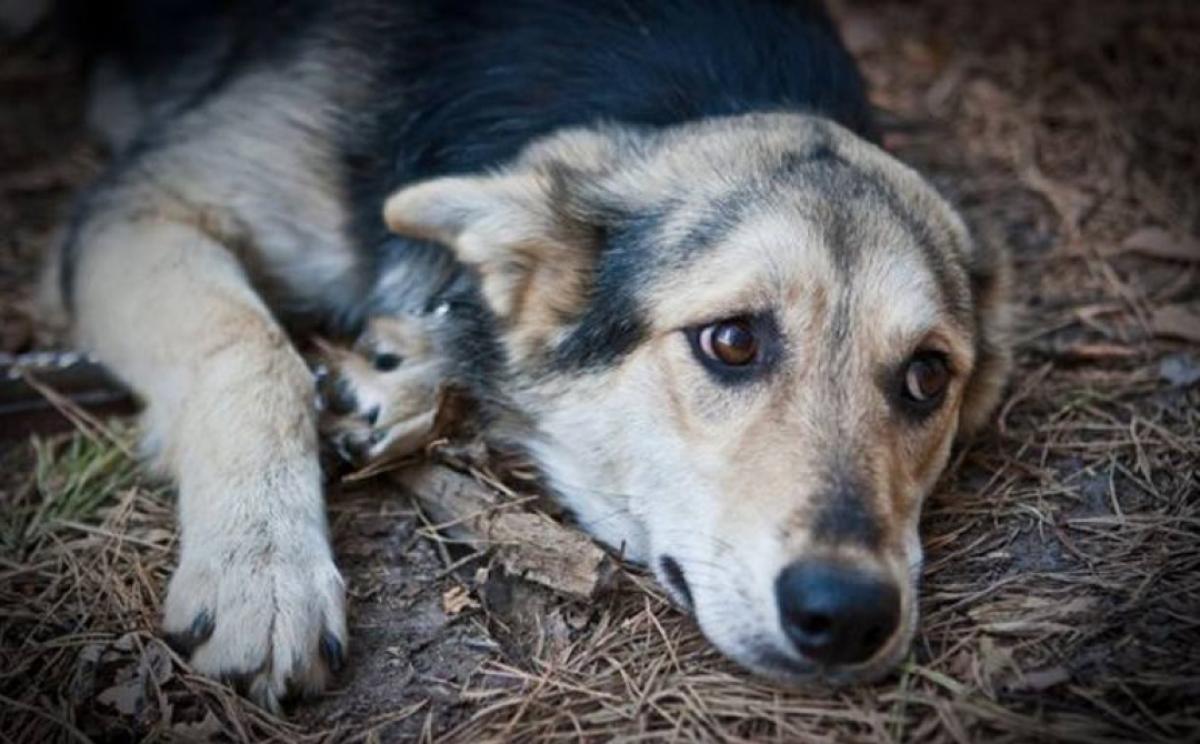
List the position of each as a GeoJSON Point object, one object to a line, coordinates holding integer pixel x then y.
{"type": "Point", "coordinates": [256, 598]}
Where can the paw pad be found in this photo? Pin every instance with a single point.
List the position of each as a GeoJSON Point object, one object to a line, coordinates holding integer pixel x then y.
{"type": "Point", "coordinates": [380, 397]}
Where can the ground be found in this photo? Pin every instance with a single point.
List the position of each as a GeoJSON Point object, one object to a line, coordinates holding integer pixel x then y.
{"type": "Point", "coordinates": [1061, 599]}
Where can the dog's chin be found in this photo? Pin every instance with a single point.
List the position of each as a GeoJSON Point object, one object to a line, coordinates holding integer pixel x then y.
{"type": "Point", "coordinates": [791, 669]}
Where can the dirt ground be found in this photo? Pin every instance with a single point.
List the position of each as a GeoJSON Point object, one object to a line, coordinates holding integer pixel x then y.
{"type": "Point", "coordinates": [1061, 598]}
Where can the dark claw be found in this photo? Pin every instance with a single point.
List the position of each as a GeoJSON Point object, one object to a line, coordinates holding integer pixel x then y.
{"type": "Point", "coordinates": [332, 650]}
{"type": "Point", "coordinates": [239, 681]}
{"type": "Point", "coordinates": [344, 447]}
{"type": "Point", "coordinates": [202, 626]}
{"type": "Point", "coordinates": [292, 692]}
{"type": "Point", "coordinates": [386, 361]}
{"type": "Point", "coordinates": [372, 416]}
{"type": "Point", "coordinates": [353, 449]}
{"type": "Point", "coordinates": [186, 642]}
{"type": "Point", "coordinates": [339, 397]}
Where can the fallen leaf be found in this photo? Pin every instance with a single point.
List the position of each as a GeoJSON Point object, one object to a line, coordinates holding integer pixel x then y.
{"type": "Point", "coordinates": [1031, 615]}
{"type": "Point", "coordinates": [863, 32]}
{"type": "Point", "coordinates": [997, 660]}
{"type": "Point", "coordinates": [128, 697]}
{"type": "Point", "coordinates": [1181, 321]}
{"type": "Point", "coordinates": [1158, 243]}
{"type": "Point", "coordinates": [1043, 679]}
{"type": "Point", "coordinates": [83, 686]}
{"type": "Point", "coordinates": [206, 730]}
{"type": "Point", "coordinates": [454, 411]}
{"type": "Point", "coordinates": [578, 616]}
{"type": "Point", "coordinates": [456, 599]}
{"type": "Point", "coordinates": [155, 664]}
{"type": "Point", "coordinates": [156, 535]}
{"type": "Point", "coordinates": [919, 54]}
{"type": "Point", "coordinates": [1180, 370]}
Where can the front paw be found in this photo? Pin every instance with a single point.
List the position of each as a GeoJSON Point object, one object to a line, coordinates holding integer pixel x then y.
{"type": "Point", "coordinates": [381, 398]}
{"type": "Point", "coordinates": [269, 620]}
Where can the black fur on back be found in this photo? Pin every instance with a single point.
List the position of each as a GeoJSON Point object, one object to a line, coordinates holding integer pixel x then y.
{"type": "Point", "coordinates": [461, 86]}
{"type": "Point", "coordinates": [205, 42]}
{"type": "Point", "coordinates": [465, 84]}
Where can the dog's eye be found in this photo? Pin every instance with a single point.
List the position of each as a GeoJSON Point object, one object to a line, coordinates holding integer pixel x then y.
{"type": "Point", "coordinates": [926, 378]}
{"type": "Point", "coordinates": [730, 342]}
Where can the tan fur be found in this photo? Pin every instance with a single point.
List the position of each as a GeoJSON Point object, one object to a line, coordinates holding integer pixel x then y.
{"type": "Point", "coordinates": [177, 266]}
{"type": "Point", "coordinates": [532, 265]}
{"type": "Point", "coordinates": [230, 417]}
{"type": "Point", "coordinates": [658, 460]}
{"type": "Point", "coordinates": [166, 268]}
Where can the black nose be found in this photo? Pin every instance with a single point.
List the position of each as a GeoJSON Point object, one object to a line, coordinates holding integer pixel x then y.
{"type": "Point", "coordinates": [835, 614]}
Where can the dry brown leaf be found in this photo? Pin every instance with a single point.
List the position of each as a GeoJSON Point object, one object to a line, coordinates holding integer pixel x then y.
{"type": "Point", "coordinates": [1179, 370]}
{"type": "Point", "coordinates": [997, 660]}
{"type": "Point", "coordinates": [1043, 679]}
{"type": "Point", "coordinates": [1030, 615]}
{"type": "Point", "coordinates": [863, 32]}
{"type": "Point", "coordinates": [128, 697]}
{"type": "Point", "coordinates": [83, 685]}
{"type": "Point", "coordinates": [457, 599]}
{"type": "Point", "coordinates": [1159, 243]}
{"type": "Point", "coordinates": [155, 535]}
{"type": "Point", "coordinates": [1181, 321]}
{"type": "Point", "coordinates": [155, 664]}
{"type": "Point", "coordinates": [125, 642]}
{"type": "Point", "coordinates": [208, 729]}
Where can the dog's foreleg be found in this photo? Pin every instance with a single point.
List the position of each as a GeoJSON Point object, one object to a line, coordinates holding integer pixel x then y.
{"type": "Point", "coordinates": [256, 597]}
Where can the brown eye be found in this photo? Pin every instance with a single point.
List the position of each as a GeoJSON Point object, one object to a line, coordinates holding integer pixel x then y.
{"type": "Point", "coordinates": [926, 377]}
{"type": "Point", "coordinates": [729, 342]}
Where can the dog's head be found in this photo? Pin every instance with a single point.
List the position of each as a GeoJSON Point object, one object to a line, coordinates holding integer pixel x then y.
{"type": "Point", "coordinates": [746, 346]}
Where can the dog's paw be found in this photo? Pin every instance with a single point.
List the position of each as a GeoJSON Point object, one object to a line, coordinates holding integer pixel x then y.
{"type": "Point", "coordinates": [380, 398]}
{"type": "Point", "coordinates": [269, 621]}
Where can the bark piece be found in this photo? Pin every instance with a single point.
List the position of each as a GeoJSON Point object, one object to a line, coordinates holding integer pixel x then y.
{"type": "Point", "coordinates": [528, 544]}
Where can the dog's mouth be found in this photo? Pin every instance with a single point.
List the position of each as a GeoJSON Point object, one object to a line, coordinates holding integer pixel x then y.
{"type": "Point", "coordinates": [849, 630]}
{"type": "Point", "coordinates": [792, 668]}
{"type": "Point", "coordinates": [766, 660]}
{"type": "Point", "coordinates": [676, 581]}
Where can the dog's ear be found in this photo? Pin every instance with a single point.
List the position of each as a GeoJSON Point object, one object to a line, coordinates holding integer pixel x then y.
{"type": "Point", "coordinates": [533, 250]}
{"type": "Point", "coordinates": [990, 274]}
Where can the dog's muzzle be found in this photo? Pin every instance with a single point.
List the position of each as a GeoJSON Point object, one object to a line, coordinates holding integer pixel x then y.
{"type": "Point", "coordinates": [836, 615]}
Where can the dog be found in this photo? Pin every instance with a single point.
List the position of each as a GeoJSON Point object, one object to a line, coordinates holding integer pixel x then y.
{"type": "Point", "coordinates": [655, 239]}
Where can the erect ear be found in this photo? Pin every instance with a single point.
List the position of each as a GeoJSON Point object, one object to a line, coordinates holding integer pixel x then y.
{"type": "Point", "coordinates": [534, 254]}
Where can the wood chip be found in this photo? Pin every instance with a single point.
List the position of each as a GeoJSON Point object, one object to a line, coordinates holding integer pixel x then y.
{"type": "Point", "coordinates": [1043, 679]}
{"type": "Point", "coordinates": [1181, 321]}
{"type": "Point", "coordinates": [1158, 243]}
{"type": "Point", "coordinates": [528, 544]}
{"type": "Point", "coordinates": [456, 599]}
